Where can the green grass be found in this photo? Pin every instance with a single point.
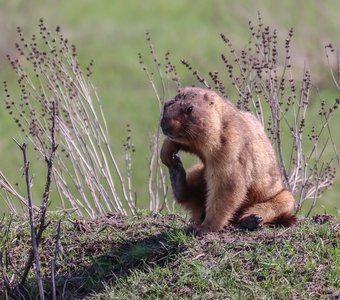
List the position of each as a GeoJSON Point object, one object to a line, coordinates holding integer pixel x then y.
{"type": "Point", "coordinates": [112, 33]}
{"type": "Point", "coordinates": [152, 257]}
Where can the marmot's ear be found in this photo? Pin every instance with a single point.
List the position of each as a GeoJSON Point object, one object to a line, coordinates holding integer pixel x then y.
{"type": "Point", "coordinates": [210, 97]}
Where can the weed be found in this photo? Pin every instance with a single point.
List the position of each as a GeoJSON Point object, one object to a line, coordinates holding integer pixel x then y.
{"type": "Point", "coordinates": [49, 72]}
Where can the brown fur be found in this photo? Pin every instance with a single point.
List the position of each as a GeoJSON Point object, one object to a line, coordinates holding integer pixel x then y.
{"type": "Point", "coordinates": [238, 180]}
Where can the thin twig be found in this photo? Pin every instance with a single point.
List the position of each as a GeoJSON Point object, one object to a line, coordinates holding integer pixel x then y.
{"type": "Point", "coordinates": [43, 207]}
{"type": "Point", "coordinates": [54, 259]}
{"type": "Point", "coordinates": [34, 240]}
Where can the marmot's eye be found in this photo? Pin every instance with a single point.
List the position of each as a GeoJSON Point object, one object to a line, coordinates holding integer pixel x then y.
{"type": "Point", "coordinates": [188, 110]}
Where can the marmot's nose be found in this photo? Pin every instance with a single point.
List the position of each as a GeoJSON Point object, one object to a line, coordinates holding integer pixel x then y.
{"type": "Point", "coordinates": [165, 125]}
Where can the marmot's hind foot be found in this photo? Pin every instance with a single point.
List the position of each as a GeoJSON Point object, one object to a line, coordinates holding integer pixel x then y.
{"type": "Point", "coordinates": [252, 222]}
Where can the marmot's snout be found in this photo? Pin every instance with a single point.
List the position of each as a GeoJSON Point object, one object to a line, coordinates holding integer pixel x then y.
{"type": "Point", "coordinates": [165, 125]}
{"type": "Point", "coordinates": [170, 126]}
{"type": "Point", "coordinates": [169, 122]}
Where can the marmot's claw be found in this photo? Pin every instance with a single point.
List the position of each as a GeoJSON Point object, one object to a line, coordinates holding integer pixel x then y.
{"type": "Point", "coordinates": [251, 222]}
{"type": "Point", "coordinates": [176, 161]}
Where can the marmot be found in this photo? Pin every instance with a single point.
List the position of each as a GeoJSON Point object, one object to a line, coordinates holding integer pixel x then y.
{"type": "Point", "coordinates": [238, 180]}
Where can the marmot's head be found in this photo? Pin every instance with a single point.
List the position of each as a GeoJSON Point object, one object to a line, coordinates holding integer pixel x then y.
{"type": "Point", "coordinates": [192, 116]}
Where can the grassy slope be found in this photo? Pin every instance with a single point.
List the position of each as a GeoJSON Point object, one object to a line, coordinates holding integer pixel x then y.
{"type": "Point", "coordinates": [112, 32]}
{"type": "Point", "coordinates": [153, 258]}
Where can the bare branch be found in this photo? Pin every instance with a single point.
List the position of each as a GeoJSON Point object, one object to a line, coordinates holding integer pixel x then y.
{"type": "Point", "coordinates": [34, 240]}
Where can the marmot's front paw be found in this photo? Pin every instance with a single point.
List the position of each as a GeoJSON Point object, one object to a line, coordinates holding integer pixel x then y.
{"type": "Point", "coordinates": [177, 177]}
{"type": "Point", "coordinates": [168, 151]}
{"type": "Point", "coordinates": [176, 162]}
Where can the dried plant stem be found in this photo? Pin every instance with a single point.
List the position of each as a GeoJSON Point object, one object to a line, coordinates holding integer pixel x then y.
{"type": "Point", "coordinates": [6, 185]}
{"type": "Point", "coordinates": [157, 185]}
{"type": "Point", "coordinates": [34, 240]}
{"type": "Point", "coordinates": [43, 207]}
{"type": "Point", "coordinates": [53, 263]}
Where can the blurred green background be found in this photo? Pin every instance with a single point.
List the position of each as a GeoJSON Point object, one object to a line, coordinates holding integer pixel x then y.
{"type": "Point", "coordinates": [112, 33]}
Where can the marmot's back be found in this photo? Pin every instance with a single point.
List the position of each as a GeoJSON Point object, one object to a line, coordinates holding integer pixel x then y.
{"type": "Point", "coordinates": [266, 173]}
